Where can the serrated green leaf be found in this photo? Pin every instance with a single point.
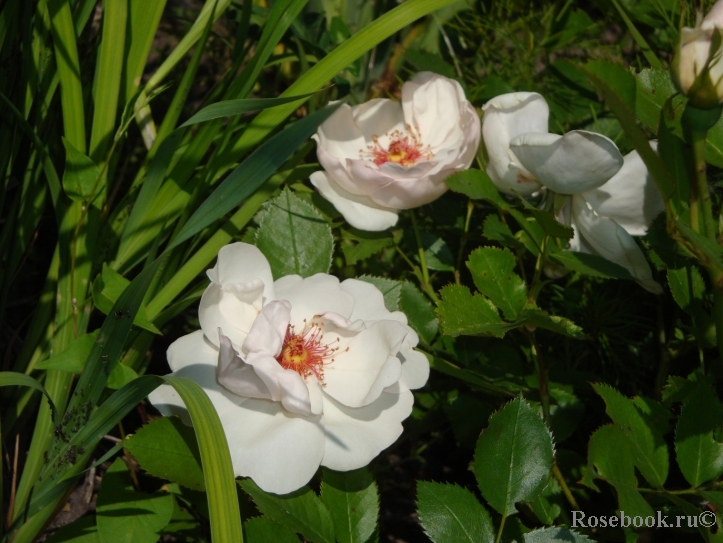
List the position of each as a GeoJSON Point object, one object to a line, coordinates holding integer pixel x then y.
{"type": "Point", "coordinates": [700, 456]}
{"type": "Point", "coordinates": [646, 443]}
{"type": "Point", "coordinates": [419, 312]}
{"type": "Point", "coordinates": [544, 508]}
{"type": "Point", "coordinates": [653, 88]}
{"type": "Point", "coordinates": [127, 516]}
{"type": "Point", "coordinates": [513, 457]}
{"type": "Point", "coordinates": [358, 244]}
{"type": "Point", "coordinates": [301, 511]}
{"type": "Point", "coordinates": [461, 313]}
{"type": "Point", "coordinates": [80, 176]}
{"type": "Point", "coordinates": [106, 290]}
{"type": "Point", "coordinates": [589, 264]}
{"type": "Point", "coordinates": [353, 501]}
{"type": "Point", "coordinates": [710, 248]}
{"type": "Point", "coordinates": [554, 534]}
{"type": "Point", "coordinates": [436, 253]}
{"type": "Point", "coordinates": [477, 185]}
{"type": "Point", "coordinates": [264, 530]}
{"type": "Point", "coordinates": [495, 230]}
{"type": "Point", "coordinates": [677, 389]}
{"type": "Point", "coordinates": [542, 319]}
{"type": "Point", "coordinates": [610, 453]}
{"type": "Point", "coordinates": [452, 514]}
{"type": "Point", "coordinates": [82, 530]}
{"type": "Point", "coordinates": [166, 448]}
{"type": "Point", "coordinates": [687, 287]}
{"type": "Point", "coordinates": [294, 237]}
{"type": "Point", "coordinates": [550, 225]}
{"type": "Point", "coordinates": [493, 274]}
{"type": "Point", "coordinates": [73, 358]}
{"type": "Point", "coordinates": [391, 289]}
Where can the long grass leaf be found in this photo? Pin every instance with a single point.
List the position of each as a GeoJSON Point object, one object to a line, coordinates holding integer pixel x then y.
{"type": "Point", "coordinates": [228, 108]}
{"type": "Point", "coordinates": [11, 378]}
{"type": "Point", "coordinates": [144, 17]}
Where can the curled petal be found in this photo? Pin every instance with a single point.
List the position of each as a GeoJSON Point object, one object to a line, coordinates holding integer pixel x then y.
{"type": "Point", "coordinates": [285, 386]}
{"type": "Point", "coordinates": [231, 307]}
{"type": "Point", "coordinates": [610, 240]}
{"type": "Point", "coordinates": [269, 329]}
{"type": "Point", "coordinates": [193, 348]}
{"type": "Point", "coordinates": [355, 436]}
{"type": "Point", "coordinates": [314, 295]}
{"type": "Point", "coordinates": [240, 263]}
{"type": "Point", "coordinates": [236, 375]}
{"type": "Point", "coordinates": [505, 117]}
{"type": "Point", "coordinates": [340, 136]}
{"type": "Point", "coordinates": [359, 211]}
{"type": "Point", "coordinates": [569, 164]}
{"type": "Point", "coordinates": [415, 368]}
{"type": "Point", "coordinates": [631, 198]}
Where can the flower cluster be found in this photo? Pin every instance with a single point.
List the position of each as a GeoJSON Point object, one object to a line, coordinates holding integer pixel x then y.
{"type": "Point", "coordinates": [611, 197]}
{"type": "Point", "coordinates": [382, 156]}
{"type": "Point", "coordinates": [303, 372]}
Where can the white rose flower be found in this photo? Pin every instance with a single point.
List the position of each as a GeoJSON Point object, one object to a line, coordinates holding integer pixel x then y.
{"type": "Point", "coordinates": [611, 198]}
{"type": "Point", "coordinates": [697, 68]}
{"type": "Point", "coordinates": [303, 372]}
{"type": "Point", "coordinates": [382, 156]}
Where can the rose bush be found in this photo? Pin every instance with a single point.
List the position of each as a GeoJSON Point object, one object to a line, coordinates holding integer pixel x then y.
{"type": "Point", "coordinates": [611, 197]}
{"type": "Point", "coordinates": [383, 156]}
{"type": "Point", "coordinates": [303, 372]}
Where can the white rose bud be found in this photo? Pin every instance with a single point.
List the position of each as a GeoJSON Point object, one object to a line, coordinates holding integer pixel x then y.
{"type": "Point", "coordinates": [697, 67]}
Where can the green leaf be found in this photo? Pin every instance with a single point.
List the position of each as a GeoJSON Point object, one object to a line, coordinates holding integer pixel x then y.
{"type": "Point", "coordinates": [294, 237]}
{"type": "Point", "coordinates": [554, 534]}
{"type": "Point", "coordinates": [513, 457]}
{"type": "Point", "coordinates": [358, 244]}
{"type": "Point", "coordinates": [493, 274]}
{"type": "Point", "coordinates": [82, 530]}
{"type": "Point", "coordinates": [12, 378]}
{"type": "Point", "coordinates": [542, 319]}
{"type": "Point", "coordinates": [301, 511]}
{"type": "Point", "coordinates": [477, 185]}
{"type": "Point", "coordinates": [700, 456]}
{"type": "Point", "coordinates": [120, 376]}
{"type": "Point", "coordinates": [419, 311]}
{"type": "Point", "coordinates": [550, 224]}
{"type": "Point", "coordinates": [127, 516]}
{"type": "Point", "coordinates": [264, 530]}
{"type": "Point", "coordinates": [653, 88]}
{"type": "Point", "coordinates": [710, 248]}
{"type": "Point", "coordinates": [461, 313]}
{"type": "Point", "coordinates": [589, 264]}
{"type": "Point", "coordinates": [649, 449]}
{"type": "Point", "coordinates": [81, 175]}
{"type": "Point", "coordinates": [353, 501]}
{"type": "Point", "coordinates": [228, 108]}
{"type": "Point", "coordinates": [545, 507]}
{"type": "Point", "coordinates": [106, 290]}
{"type": "Point", "coordinates": [73, 358]}
{"type": "Point", "coordinates": [610, 453]}
{"type": "Point", "coordinates": [391, 289]}
{"type": "Point", "coordinates": [687, 287]}
{"type": "Point", "coordinates": [452, 514]}
{"type": "Point", "coordinates": [166, 448]}
{"type": "Point", "coordinates": [495, 230]}
{"type": "Point", "coordinates": [436, 253]}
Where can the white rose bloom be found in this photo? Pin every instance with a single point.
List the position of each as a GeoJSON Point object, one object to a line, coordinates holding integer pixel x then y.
{"type": "Point", "coordinates": [611, 198]}
{"type": "Point", "coordinates": [382, 156]}
{"type": "Point", "coordinates": [697, 68]}
{"type": "Point", "coordinates": [302, 372]}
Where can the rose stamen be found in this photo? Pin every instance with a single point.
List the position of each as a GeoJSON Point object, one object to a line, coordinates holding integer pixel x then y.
{"type": "Point", "coordinates": [305, 353]}
{"type": "Point", "coordinates": [404, 149]}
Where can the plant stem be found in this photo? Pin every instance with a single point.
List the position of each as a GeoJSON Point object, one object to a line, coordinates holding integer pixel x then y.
{"type": "Point", "coordinates": [420, 248]}
{"type": "Point", "coordinates": [541, 371]}
{"type": "Point", "coordinates": [502, 527]}
{"type": "Point", "coordinates": [565, 489]}
{"type": "Point", "coordinates": [463, 241]}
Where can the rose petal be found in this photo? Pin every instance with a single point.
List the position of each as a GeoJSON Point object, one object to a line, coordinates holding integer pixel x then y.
{"type": "Point", "coordinates": [269, 329]}
{"type": "Point", "coordinates": [359, 211]}
{"type": "Point", "coordinates": [240, 263]}
{"type": "Point", "coordinates": [415, 368]}
{"type": "Point", "coordinates": [377, 118]}
{"type": "Point", "coordinates": [238, 376]}
{"type": "Point", "coordinates": [193, 348]}
{"type": "Point", "coordinates": [340, 136]}
{"type": "Point", "coordinates": [432, 105]}
{"type": "Point", "coordinates": [315, 295]}
{"type": "Point", "coordinates": [610, 240]}
{"type": "Point", "coordinates": [285, 385]}
{"type": "Point", "coordinates": [505, 117]}
{"type": "Point", "coordinates": [631, 198]}
{"type": "Point", "coordinates": [355, 436]}
{"type": "Point", "coordinates": [569, 164]}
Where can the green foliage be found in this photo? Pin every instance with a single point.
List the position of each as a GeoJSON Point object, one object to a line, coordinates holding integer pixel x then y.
{"type": "Point", "coordinates": [554, 535]}
{"type": "Point", "coordinates": [461, 312]}
{"type": "Point", "coordinates": [294, 237]}
{"type": "Point", "coordinates": [353, 501]}
{"type": "Point", "coordinates": [492, 272]}
{"type": "Point", "coordinates": [450, 513]}
{"type": "Point", "coordinates": [262, 529]}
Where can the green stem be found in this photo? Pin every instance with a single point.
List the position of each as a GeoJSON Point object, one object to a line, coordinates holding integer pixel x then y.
{"type": "Point", "coordinates": [716, 278]}
{"type": "Point", "coordinates": [463, 242]}
{"type": "Point", "coordinates": [420, 248]}
{"type": "Point", "coordinates": [502, 527]}
{"type": "Point", "coordinates": [541, 371]}
{"type": "Point", "coordinates": [565, 489]}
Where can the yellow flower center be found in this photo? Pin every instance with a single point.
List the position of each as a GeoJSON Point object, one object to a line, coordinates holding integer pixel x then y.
{"type": "Point", "coordinates": [305, 353]}
{"type": "Point", "coordinates": [404, 149]}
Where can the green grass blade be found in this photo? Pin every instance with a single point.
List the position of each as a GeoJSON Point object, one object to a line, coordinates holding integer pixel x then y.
{"type": "Point", "coordinates": [638, 37]}
{"type": "Point", "coordinates": [144, 17]}
{"type": "Point", "coordinates": [108, 77]}
{"type": "Point", "coordinates": [11, 378]}
{"type": "Point", "coordinates": [228, 108]}
{"type": "Point", "coordinates": [66, 58]}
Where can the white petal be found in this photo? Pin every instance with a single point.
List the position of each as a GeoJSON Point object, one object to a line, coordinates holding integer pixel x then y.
{"type": "Point", "coordinates": [313, 296]}
{"type": "Point", "coordinates": [193, 348]}
{"type": "Point", "coordinates": [238, 376]}
{"type": "Point", "coordinates": [505, 117]}
{"type": "Point", "coordinates": [231, 307]}
{"type": "Point", "coordinates": [432, 105]}
{"type": "Point", "coordinates": [610, 240]}
{"type": "Point", "coordinates": [269, 329]}
{"type": "Point", "coordinates": [340, 136]}
{"type": "Point", "coordinates": [365, 364]}
{"type": "Point", "coordinates": [569, 164]}
{"type": "Point", "coordinates": [368, 301]}
{"type": "Point", "coordinates": [280, 451]}
{"type": "Point", "coordinates": [240, 263]}
{"type": "Point", "coordinates": [359, 211]}
{"type": "Point", "coordinates": [415, 368]}
{"type": "Point", "coordinates": [378, 117]}
{"type": "Point", "coordinates": [355, 436]}
{"type": "Point", "coordinates": [631, 198]}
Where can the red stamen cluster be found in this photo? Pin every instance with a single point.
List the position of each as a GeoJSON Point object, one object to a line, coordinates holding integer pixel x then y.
{"type": "Point", "coordinates": [404, 149]}
{"type": "Point", "coordinates": [305, 353]}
